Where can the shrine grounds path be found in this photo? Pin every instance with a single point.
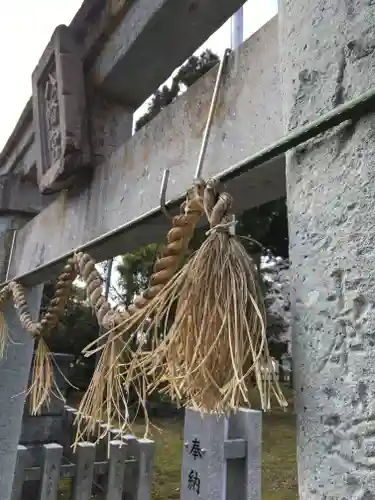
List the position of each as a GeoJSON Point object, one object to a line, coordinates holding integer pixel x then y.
{"type": "Point", "coordinates": [279, 469]}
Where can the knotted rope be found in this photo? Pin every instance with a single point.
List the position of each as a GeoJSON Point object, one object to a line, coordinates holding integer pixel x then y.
{"type": "Point", "coordinates": [203, 338]}
{"type": "Point", "coordinates": [206, 324]}
{"type": "Point", "coordinates": [81, 264]}
{"type": "Point", "coordinates": [105, 398]}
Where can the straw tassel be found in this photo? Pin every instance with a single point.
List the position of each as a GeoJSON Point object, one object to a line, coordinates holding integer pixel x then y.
{"type": "Point", "coordinates": [216, 346]}
{"type": "Point", "coordinates": [107, 395]}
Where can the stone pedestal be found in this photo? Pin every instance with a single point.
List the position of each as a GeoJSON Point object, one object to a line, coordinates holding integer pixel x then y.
{"type": "Point", "coordinates": [328, 57]}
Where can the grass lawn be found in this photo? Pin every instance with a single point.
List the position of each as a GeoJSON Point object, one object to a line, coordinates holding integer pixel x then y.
{"type": "Point", "coordinates": [279, 474]}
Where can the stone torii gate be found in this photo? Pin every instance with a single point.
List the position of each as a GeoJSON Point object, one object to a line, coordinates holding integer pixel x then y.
{"type": "Point", "coordinates": [100, 188]}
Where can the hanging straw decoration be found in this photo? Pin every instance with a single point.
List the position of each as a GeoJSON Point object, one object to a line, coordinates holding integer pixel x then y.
{"type": "Point", "coordinates": [42, 384]}
{"type": "Point", "coordinates": [106, 397]}
{"type": "Point", "coordinates": [108, 319]}
{"type": "Point", "coordinates": [207, 326]}
{"type": "Point", "coordinates": [42, 381]}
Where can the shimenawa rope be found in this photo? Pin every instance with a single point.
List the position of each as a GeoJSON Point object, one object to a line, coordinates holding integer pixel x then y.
{"type": "Point", "coordinates": [205, 358]}
{"type": "Point", "coordinates": [83, 265]}
{"type": "Point", "coordinates": [216, 343]}
{"type": "Point", "coordinates": [105, 398]}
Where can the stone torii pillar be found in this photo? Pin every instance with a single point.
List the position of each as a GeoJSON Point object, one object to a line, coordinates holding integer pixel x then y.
{"type": "Point", "coordinates": [20, 201]}
{"type": "Point", "coordinates": [327, 58]}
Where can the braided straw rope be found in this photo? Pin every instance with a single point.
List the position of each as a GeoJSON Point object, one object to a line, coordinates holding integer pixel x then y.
{"type": "Point", "coordinates": [83, 265]}
{"type": "Point", "coordinates": [55, 308]}
{"type": "Point", "coordinates": [178, 240]}
{"type": "Point", "coordinates": [105, 399]}
{"type": "Point", "coordinates": [42, 372]}
{"type": "Point", "coordinates": [216, 346]}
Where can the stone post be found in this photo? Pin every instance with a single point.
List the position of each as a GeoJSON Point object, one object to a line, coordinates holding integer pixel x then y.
{"type": "Point", "coordinates": [327, 58]}
{"type": "Point", "coordinates": [14, 374]}
{"type": "Point", "coordinates": [19, 202]}
{"type": "Point", "coordinates": [222, 456]}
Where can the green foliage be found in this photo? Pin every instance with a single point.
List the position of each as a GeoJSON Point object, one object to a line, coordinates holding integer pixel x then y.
{"type": "Point", "coordinates": [196, 67]}
{"type": "Point", "coordinates": [135, 270]}
{"type": "Point", "coordinates": [77, 328]}
{"type": "Point", "coordinates": [187, 75]}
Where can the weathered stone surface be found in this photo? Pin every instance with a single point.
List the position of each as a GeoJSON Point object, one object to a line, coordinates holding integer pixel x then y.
{"type": "Point", "coordinates": [244, 475]}
{"type": "Point", "coordinates": [126, 186]}
{"type": "Point", "coordinates": [41, 429]}
{"type": "Point", "coordinates": [328, 57]}
{"type": "Point", "coordinates": [60, 115]}
{"type": "Point", "coordinates": [34, 454]}
{"type": "Point", "coordinates": [20, 145]}
{"type": "Point", "coordinates": [48, 427]}
{"type": "Point", "coordinates": [20, 158]}
{"type": "Point", "coordinates": [50, 477]}
{"type": "Point", "coordinates": [19, 476]}
{"type": "Point", "coordinates": [94, 22]}
{"type": "Point", "coordinates": [14, 373]}
{"type": "Point", "coordinates": [203, 461]}
{"type": "Point", "coordinates": [123, 45]}
{"type": "Point", "coordinates": [8, 225]}
{"type": "Point", "coordinates": [20, 194]}
{"type": "Point", "coordinates": [82, 482]}
{"type": "Point", "coordinates": [111, 123]}
{"type": "Point", "coordinates": [127, 67]}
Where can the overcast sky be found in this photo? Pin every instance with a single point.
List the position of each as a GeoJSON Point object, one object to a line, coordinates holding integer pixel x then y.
{"type": "Point", "coordinates": [26, 27]}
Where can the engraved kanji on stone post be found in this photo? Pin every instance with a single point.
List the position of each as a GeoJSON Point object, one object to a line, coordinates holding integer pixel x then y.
{"type": "Point", "coordinates": [221, 456]}
{"type": "Point", "coordinates": [59, 111]}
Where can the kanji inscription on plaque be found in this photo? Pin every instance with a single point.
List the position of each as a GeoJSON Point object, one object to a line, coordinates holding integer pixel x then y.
{"type": "Point", "coordinates": [59, 113]}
